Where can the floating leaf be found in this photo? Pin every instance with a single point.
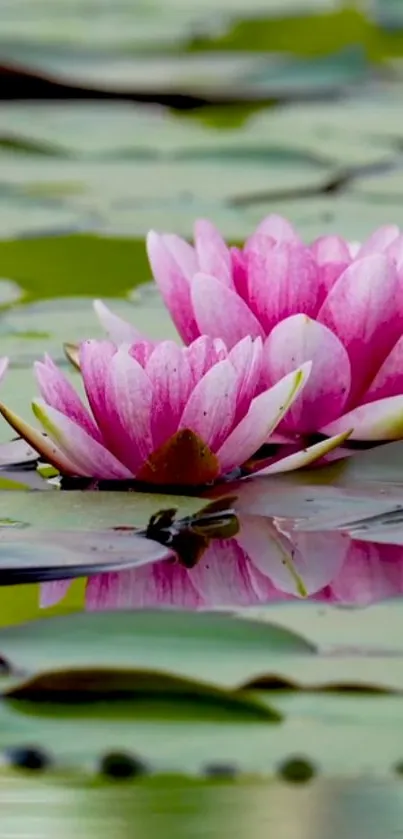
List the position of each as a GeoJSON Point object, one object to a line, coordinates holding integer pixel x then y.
{"type": "Point", "coordinates": [27, 556]}
{"type": "Point", "coordinates": [68, 265]}
{"type": "Point", "coordinates": [215, 648]}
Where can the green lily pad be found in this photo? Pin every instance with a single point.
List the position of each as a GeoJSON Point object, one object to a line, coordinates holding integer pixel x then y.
{"type": "Point", "coordinates": [75, 510]}
{"type": "Point", "coordinates": [21, 215]}
{"type": "Point", "coordinates": [211, 647]}
{"type": "Point", "coordinates": [383, 464]}
{"type": "Point", "coordinates": [119, 130]}
{"type": "Point", "coordinates": [69, 265]}
{"type": "Point", "coordinates": [27, 332]}
{"type": "Point", "coordinates": [99, 192]}
{"type": "Point", "coordinates": [324, 499]}
{"type": "Point", "coordinates": [327, 135]}
{"type": "Point", "coordinates": [342, 632]}
{"type": "Point", "coordinates": [384, 189]}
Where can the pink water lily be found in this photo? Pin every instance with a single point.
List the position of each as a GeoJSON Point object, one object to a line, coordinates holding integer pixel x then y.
{"type": "Point", "coordinates": [162, 415]}
{"type": "Point", "coordinates": [337, 304]}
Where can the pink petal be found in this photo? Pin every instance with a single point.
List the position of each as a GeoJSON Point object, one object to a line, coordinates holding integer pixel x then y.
{"type": "Point", "coordinates": [264, 414]}
{"type": "Point", "coordinates": [183, 254]}
{"type": "Point", "coordinates": [171, 378]}
{"type": "Point", "coordinates": [221, 313]}
{"type": "Point", "coordinates": [394, 251]}
{"type": "Point", "coordinates": [333, 257]}
{"type": "Point", "coordinates": [51, 593]}
{"type": "Point", "coordinates": [278, 228]}
{"type": "Point", "coordinates": [173, 285]}
{"type": "Point", "coordinates": [118, 330]}
{"type": "Point", "coordinates": [221, 576]}
{"type": "Point", "coordinates": [370, 573]}
{"type": "Point", "coordinates": [174, 587]}
{"type": "Point", "coordinates": [202, 354]}
{"type": "Point", "coordinates": [239, 271]}
{"type": "Point", "coordinates": [304, 457]}
{"type": "Point", "coordinates": [282, 282]}
{"type": "Point", "coordinates": [212, 252]}
{"type": "Point", "coordinates": [95, 358]}
{"type": "Point", "coordinates": [58, 392]}
{"type": "Point", "coordinates": [380, 240]}
{"type": "Point", "coordinates": [293, 341]}
{"type": "Point", "coordinates": [94, 460]}
{"type": "Point", "coordinates": [268, 552]}
{"type": "Point", "coordinates": [296, 562]}
{"type": "Point", "coordinates": [220, 348]}
{"type": "Point", "coordinates": [328, 276]}
{"type": "Point", "coordinates": [210, 410]}
{"type": "Point", "coordinates": [129, 399]}
{"type": "Point", "coordinates": [330, 249]}
{"type": "Point", "coordinates": [389, 378]}
{"type": "Point", "coordinates": [361, 310]}
{"type": "Point", "coordinates": [266, 591]}
{"type": "Point", "coordinates": [260, 244]}
{"type": "Point", "coordinates": [381, 420]}
{"type": "Point", "coordinates": [141, 351]}
{"type": "Point", "coordinates": [161, 584]}
{"type": "Point", "coordinates": [246, 357]}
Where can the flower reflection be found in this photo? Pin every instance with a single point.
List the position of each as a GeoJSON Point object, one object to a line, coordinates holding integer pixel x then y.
{"type": "Point", "coordinates": [371, 573]}
{"type": "Point", "coordinates": [267, 561]}
{"type": "Point", "coordinates": [330, 568]}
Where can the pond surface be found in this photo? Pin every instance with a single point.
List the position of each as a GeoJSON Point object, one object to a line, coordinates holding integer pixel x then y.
{"type": "Point", "coordinates": [221, 644]}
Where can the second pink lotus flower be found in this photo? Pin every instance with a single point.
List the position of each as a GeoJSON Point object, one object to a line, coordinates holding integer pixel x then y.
{"type": "Point", "coordinates": [333, 303]}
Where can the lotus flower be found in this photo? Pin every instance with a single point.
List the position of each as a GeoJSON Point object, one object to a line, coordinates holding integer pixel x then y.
{"type": "Point", "coordinates": [258, 565]}
{"type": "Point", "coordinates": [336, 304]}
{"type": "Point", "coordinates": [163, 415]}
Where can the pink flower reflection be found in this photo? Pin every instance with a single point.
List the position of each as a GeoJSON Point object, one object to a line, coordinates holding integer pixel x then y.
{"type": "Point", "coordinates": [261, 564]}
{"type": "Point", "coordinates": [371, 573]}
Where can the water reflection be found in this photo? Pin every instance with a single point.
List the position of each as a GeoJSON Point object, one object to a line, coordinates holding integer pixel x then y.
{"type": "Point", "coordinates": [269, 559]}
